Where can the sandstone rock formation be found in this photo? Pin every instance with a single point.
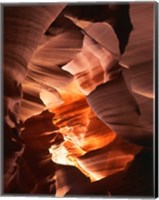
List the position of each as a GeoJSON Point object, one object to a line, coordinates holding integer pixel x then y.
{"type": "Point", "coordinates": [78, 99]}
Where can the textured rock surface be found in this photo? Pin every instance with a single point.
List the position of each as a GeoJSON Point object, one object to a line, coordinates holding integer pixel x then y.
{"type": "Point", "coordinates": [53, 57]}
{"type": "Point", "coordinates": [21, 25]}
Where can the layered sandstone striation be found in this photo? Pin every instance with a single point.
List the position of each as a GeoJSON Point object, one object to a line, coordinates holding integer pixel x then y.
{"type": "Point", "coordinates": [78, 99]}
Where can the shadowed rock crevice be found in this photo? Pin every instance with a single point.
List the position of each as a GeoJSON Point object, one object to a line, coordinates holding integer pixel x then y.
{"type": "Point", "coordinates": [78, 99]}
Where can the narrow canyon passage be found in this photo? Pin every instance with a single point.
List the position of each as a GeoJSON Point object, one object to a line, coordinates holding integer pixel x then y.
{"type": "Point", "coordinates": [78, 99]}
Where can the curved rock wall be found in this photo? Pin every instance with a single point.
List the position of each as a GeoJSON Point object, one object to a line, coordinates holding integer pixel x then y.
{"type": "Point", "coordinates": [56, 57]}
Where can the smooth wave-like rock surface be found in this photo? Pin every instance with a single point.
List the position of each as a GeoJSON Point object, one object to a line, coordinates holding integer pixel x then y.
{"type": "Point", "coordinates": [22, 33]}
{"type": "Point", "coordinates": [78, 99]}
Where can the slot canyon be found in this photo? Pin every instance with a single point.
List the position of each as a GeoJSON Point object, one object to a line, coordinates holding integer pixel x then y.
{"type": "Point", "coordinates": [78, 103]}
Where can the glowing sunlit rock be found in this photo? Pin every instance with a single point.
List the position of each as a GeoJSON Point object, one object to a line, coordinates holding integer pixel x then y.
{"type": "Point", "coordinates": [95, 64]}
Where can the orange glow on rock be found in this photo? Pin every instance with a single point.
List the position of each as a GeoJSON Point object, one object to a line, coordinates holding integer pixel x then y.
{"type": "Point", "coordinates": [83, 132]}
